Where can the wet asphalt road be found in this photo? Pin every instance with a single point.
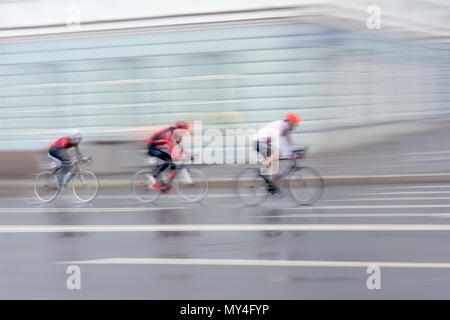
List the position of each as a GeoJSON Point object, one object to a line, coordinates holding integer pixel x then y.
{"type": "Point", "coordinates": [221, 250]}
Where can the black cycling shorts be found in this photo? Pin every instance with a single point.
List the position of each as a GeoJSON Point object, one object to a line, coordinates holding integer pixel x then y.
{"type": "Point", "coordinates": [158, 153]}
{"type": "Point", "coordinates": [60, 154]}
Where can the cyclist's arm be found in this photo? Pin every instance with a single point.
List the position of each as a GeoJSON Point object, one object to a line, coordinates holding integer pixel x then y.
{"type": "Point", "coordinates": [286, 133]}
{"type": "Point", "coordinates": [290, 142]}
{"type": "Point", "coordinates": [178, 151]}
{"type": "Point", "coordinates": [78, 152]}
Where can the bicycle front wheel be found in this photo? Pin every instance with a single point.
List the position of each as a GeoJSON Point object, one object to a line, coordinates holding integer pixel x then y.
{"type": "Point", "coordinates": [85, 186]}
{"type": "Point", "coordinates": [251, 187]}
{"type": "Point", "coordinates": [306, 186]}
{"type": "Point", "coordinates": [141, 187]}
{"type": "Point", "coordinates": [192, 185]}
{"type": "Point", "coordinates": [46, 186]}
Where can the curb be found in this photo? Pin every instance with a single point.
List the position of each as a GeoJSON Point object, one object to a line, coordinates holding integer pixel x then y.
{"type": "Point", "coordinates": [11, 186]}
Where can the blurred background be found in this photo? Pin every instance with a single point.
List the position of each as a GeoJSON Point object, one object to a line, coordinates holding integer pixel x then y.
{"type": "Point", "coordinates": [357, 76]}
{"type": "Point", "coordinates": [369, 78]}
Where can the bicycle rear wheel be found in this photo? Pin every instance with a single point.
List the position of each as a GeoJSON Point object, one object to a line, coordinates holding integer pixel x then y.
{"type": "Point", "coordinates": [141, 187]}
{"type": "Point", "coordinates": [46, 186]}
{"type": "Point", "coordinates": [306, 186]}
{"type": "Point", "coordinates": [192, 184]}
{"type": "Point", "coordinates": [85, 186]}
{"type": "Point", "coordinates": [251, 187]}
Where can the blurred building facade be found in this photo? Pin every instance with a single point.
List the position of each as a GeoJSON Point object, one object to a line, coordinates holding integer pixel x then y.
{"type": "Point", "coordinates": [239, 67]}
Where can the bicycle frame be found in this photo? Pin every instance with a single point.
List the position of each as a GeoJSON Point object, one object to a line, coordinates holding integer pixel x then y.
{"type": "Point", "coordinates": [294, 166]}
{"type": "Point", "coordinates": [252, 183]}
{"type": "Point", "coordinates": [178, 168]}
{"type": "Point", "coordinates": [74, 171]}
{"type": "Point", "coordinates": [182, 185]}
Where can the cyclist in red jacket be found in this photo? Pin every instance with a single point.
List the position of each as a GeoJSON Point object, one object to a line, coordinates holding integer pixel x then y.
{"type": "Point", "coordinates": [58, 151]}
{"type": "Point", "coordinates": [161, 144]}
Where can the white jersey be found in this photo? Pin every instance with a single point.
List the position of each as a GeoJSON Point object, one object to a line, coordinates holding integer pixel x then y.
{"type": "Point", "coordinates": [277, 132]}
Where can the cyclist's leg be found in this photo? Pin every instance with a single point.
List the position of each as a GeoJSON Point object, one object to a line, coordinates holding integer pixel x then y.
{"type": "Point", "coordinates": [57, 162]}
{"type": "Point", "coordinates": [273, 171]}
{"type": "Point", "coordinates": [164, 156]}
{"type": "Point", "coordinates": [171, 167]}
{"type": "Point", "coordinates": [63, 158]}
{"type": "Point", "coordinates": [265, 150]}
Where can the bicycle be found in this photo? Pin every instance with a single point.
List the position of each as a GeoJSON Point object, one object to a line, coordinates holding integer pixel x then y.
{"type": "Point", "coordinates": [305, 184]}
{"type": "Point", "coordinates": [189, 183]}
{"type": "Point", "coordinates": [85, 184]}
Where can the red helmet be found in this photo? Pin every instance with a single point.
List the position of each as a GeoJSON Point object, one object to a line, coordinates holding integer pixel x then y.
{"type": "Point", "coordinates": [181, 125]}
{"type": "Point", "coordinates": [290, 116]}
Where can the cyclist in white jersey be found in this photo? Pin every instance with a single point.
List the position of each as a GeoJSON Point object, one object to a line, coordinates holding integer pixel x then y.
{"type": "Point", "coordinates": [274, 141]}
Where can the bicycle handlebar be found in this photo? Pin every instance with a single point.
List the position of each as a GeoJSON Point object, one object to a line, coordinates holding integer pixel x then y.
{"type": "Point", "coordinates": [299, 154]}
{"type": "Point", "coordinates": [301, 150]}
{"type": "Point", "coordinates": [85, 161]}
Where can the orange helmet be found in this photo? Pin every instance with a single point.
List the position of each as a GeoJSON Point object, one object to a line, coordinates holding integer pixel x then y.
{"type": "Point", "coordinates": [290, 116]}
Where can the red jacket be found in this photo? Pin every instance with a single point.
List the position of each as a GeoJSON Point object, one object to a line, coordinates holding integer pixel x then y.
{"type": "Point", "coordinates": [162, 137]}
{"type": "Point", "coordinates": [63, 142]}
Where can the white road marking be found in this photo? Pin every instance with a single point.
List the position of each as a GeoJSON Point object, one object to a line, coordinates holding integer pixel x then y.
{"type": "Point", "coordinates": [148, 209]}
{"type": "Point", "coordinates": [422, 153]}
{"type": "Point", "coordinates": [416, 187]}
{"type": "Point", "coordinates": [222, 227]}
{"type": "Point", "coordinates": [401, 192]}
{"type": "Point", "coordinates": [266, 263]}
{"type": "Point", "coordinates": [388, 206]}
{"type": "Point", "coordinates": [131, 197]}
{"type": "Point", "coordinates": [356, 215]}
{"type": "Point", "coordinates": [393, 199]}
{"type": "Point", "coordinates": [217, 195]}
{"type": "Point", "coordinates": [86, 209]}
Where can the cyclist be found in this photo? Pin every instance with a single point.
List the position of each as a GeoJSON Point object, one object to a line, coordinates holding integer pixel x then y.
{"type": "Point", "coordinates": [274, 140]}
{"type": "Point", "coordinates": [161, 145]}
{"type": "Point", "coordinates": [58, 151]}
